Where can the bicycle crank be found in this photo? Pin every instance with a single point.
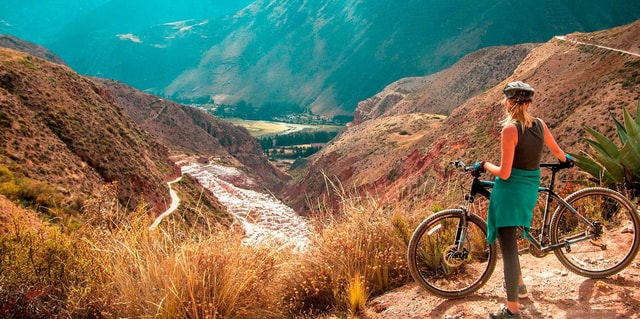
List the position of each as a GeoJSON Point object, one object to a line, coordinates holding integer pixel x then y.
{"type": "Point", "coordinates": [536, 252]}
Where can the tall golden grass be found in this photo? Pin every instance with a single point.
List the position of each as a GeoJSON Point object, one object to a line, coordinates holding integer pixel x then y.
{"type": "Point", "coordinates": [126, 270]}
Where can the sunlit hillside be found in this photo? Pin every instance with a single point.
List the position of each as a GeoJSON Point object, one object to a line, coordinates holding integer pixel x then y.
{"type": "Point", "coordinates": [581, 79]}
{"type": "Point", "coordinates": [126, 270]}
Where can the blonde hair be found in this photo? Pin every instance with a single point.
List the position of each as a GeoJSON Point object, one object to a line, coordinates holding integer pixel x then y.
{"type": "Point", "coordinates": [518, 112]}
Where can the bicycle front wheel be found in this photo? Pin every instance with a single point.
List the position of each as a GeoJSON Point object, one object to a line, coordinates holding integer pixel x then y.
{"type": "Point", "coordinates": [436, 263]}
{"type": "Point", "coordinates": [616, 221]}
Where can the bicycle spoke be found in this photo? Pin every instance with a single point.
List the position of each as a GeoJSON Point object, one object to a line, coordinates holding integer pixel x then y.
{"type": "Point", "coordinates": [606, 246]}
{"type": "Point", "coordinates": [437, 263]}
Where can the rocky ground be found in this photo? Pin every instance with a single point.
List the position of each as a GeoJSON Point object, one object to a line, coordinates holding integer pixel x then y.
{"type": "Point", "coordinates": [553, 293]}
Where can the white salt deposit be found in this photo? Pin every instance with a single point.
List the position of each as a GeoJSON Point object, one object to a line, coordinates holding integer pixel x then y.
{"type": "Point", "coordinates": [266, 220]}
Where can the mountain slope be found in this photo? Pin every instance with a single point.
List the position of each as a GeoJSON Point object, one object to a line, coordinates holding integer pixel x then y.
{"type": "Point", "coordinates": [187, 130]}
{"type": "Point", "coordinates": [323, 55]}
{"type": "Point", "coordinates": [172, 131]}
{"type": "Point", "coordinates": [442, 92]}
{"type": "Point", "coordinates": [118, 39]}
{"type": "Point", "coordinates": [330, 55]}
{"type": "Point", "coordinates": [576, 85]}
{"type": "Point", "coordinates": [14, 43]}
{"type": "Point", "coordinates": [62, 129]}
{"type": "Point", "coordinates": [39, 20]}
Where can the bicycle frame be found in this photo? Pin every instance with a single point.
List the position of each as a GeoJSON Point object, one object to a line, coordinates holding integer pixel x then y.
{"type": "Point", "coordinates": [542, 243]}
{"type": "Point", "coordinates": [482, 187]}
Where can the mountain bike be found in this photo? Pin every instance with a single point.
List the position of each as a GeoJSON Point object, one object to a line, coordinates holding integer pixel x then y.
{"type": "Point", "coordinates": [593, 232]}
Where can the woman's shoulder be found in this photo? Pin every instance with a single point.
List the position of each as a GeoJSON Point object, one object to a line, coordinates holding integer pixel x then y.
{"type": "Point", "coordinates": [511, 127]}
{"type": "Point", "coordinates": [541, 121]}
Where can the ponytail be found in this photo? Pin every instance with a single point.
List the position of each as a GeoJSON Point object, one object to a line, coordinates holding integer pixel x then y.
{"type": "Point", "coordinates": [518, 112]}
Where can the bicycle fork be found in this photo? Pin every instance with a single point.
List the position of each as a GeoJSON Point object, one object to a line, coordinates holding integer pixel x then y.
{"type": "Point", "coordinates": [456, 254]}
{"type": "Point", "coordinates": [461, 232]}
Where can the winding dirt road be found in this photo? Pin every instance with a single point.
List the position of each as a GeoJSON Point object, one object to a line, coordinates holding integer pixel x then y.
{"type": "Point", "coordinates": [175, 202]}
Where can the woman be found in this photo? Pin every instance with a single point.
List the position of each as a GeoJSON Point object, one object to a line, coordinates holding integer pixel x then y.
{"type": "Point", "coordinates": [515, 193]}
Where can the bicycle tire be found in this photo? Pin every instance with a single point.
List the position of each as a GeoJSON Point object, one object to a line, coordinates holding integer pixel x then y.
{"type": "Point", "coordinates": [611, 252]}
{"type": "Point", "coordinates": [427, 250]}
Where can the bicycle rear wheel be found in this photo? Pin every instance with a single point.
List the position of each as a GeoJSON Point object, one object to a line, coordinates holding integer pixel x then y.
{"type": "Point", "coordinates": [603, 255]}
{"type": "Point", "coordinates": [437, 265]}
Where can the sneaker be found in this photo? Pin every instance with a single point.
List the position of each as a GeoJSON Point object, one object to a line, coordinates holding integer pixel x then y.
{"type": "Point", "coordinates": [522, 290]}
{"type": "Point", "coordinates": [504, 313]}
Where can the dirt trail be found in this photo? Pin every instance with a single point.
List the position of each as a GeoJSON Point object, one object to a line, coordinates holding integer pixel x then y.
{"type": "Point", "coordinates": [564, 38]}
{"type": "Point", "coordinates": [553, 293]}
{"type": "Point", "coordinates": [175, 202]}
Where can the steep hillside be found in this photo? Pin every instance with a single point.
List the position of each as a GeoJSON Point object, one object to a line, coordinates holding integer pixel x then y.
{"type": "Point", "coordinates": [443, 91]}
{"type": "Point", "coordinates": [14, 43]}
{"type": "Point", "coordinates": [187, 130]}
{"type": "Point", "coordinates": [323, 55]}
{"type": "Point", "coordinates": [329, 55]}
{"type": "Point", "coordinates": [576, 84]}
{"type": "Point", "coordinates": [368, 155]}
{"type": "Point", "coordinates": [62, 129]}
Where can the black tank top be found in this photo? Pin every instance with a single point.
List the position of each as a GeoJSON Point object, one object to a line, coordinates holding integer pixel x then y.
{"type": "Point", "coordinates": [528, 151]}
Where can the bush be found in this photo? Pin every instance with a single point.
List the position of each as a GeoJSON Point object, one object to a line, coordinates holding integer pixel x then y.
{"type": "Point", "coordinates": [614, 165]}
{"type": "Point", "coordinates": [41, 271]}
{"type": "Point", "coordinates": [30, 193]}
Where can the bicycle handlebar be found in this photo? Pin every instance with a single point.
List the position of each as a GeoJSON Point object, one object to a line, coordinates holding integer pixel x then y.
{"type": "Point", "coordinates": [552, 166]}
{"type": "Point", "coordinates": [462, 166]}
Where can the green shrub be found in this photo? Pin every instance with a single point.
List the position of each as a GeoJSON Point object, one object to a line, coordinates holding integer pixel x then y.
{"type": "Point", "coordinates": [614, 165]}
{"type": "Point", "coordinates": [30, 193]}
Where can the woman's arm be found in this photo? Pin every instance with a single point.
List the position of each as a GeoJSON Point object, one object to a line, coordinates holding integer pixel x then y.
{"type": "Point", "coordinates": [508, 142]}
{"type": "Point", "coordinates": [551, 143]}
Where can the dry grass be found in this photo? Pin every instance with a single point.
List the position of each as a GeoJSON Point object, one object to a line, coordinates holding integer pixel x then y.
{"type": "Point", "coordinates": [116, 270]}
{"type": "Point", "coordinates": [358, 252]}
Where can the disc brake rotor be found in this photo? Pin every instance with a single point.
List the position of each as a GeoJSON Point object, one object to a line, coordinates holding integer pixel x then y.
{"type": "Point", "coordinates": [452, 257]}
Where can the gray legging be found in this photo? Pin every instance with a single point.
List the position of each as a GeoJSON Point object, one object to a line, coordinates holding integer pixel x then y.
{"type": "Point", "coordinates": [510, 260]}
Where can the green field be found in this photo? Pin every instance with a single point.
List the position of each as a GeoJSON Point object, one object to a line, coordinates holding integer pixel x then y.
{"type": "Point", "coordinates": [264, 128]}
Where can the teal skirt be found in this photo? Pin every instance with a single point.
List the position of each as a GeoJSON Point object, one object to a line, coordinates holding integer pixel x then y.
{"type": "Point", "coordinates": [512, 201]}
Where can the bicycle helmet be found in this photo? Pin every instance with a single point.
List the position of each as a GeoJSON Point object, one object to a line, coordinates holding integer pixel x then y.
{"type": "Point", "coordinates": [519, 91]}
